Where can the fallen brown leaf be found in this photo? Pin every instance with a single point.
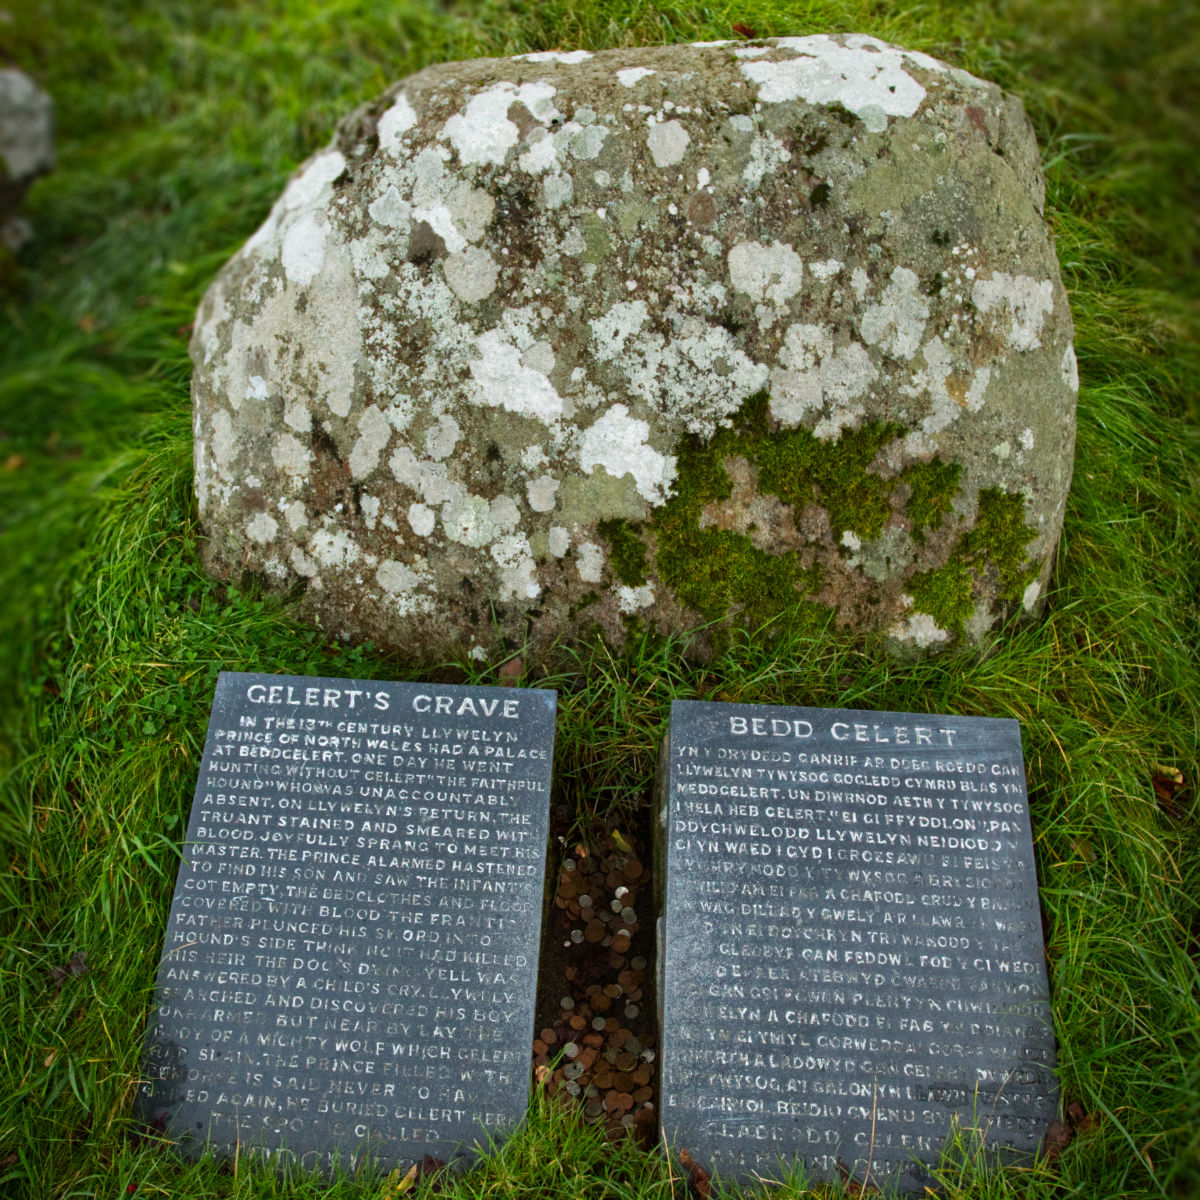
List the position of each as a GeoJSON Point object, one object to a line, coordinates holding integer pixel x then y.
{"type": "Point", "coordinates": [77, 966]}
{"type": "Point", "coordinates": [697, 1177]}
{"type": "Point", "coordinates": [1168, 783]}
{"type": "Point", "coordinates": [745, 31]}
{"type": "Point", "coordinates": [645, 1127]}
{"type": "Point", "coordinates": [1058, 1138]}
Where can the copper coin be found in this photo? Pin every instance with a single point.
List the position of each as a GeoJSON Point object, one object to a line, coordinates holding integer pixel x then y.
{"type": "Point", "coordinates": [618, 1038]}
{"type": "Point", "coordinates": [623, 1081]}
{"type": "Point", "coordinates": [542, 1060]}
{"type": "Point", "coordinates": [587, 1057]}
{"type": "Point", "coordinates": [578, 1023]}
{"type": "Point", "coordinates": [624, 1101]}
{"type": "Point", "coordinates": [620, 941]}
{"type": "Point", "coordinates": [603, 1080]}
{"type": "Point", "coordinates": [642, 1095]}
{"type": "Point", "coordinates": [594, 931]}
{"type": "Point", "coordinates": [539, 1047]}
{"type": "Point", "coordinates": [642, 1074]}
{"type": "Point", "coordinates": [612, 991]}
{"type": "Point", "coordinates": [638, 964]}
{"type": "Point", "coordinates": [626, 1061]}
{"type": "Point", "coordinates": [594, 1040]}
{"type": "Point", "coordinates": [567, 890]}
{"type": "Point", "coordinates": [632, 870]}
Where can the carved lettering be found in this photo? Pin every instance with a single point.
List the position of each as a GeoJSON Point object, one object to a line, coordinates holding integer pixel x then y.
{"type": "Point", "coordinates": [352, 946]}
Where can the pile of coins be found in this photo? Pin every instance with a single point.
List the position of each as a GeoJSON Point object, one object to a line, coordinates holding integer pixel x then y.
{"type": "Point", "coordinates": [600, 1047]}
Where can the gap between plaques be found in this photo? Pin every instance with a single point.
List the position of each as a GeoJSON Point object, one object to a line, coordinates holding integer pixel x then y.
{"type": "Point", "coordinates": [596, 1028]}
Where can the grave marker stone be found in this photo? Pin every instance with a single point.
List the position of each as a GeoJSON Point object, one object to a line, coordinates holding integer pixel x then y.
{"type": "Point", "coordinates": [351, 955]}
{"type": "Point", "coordinates": [850, 950]}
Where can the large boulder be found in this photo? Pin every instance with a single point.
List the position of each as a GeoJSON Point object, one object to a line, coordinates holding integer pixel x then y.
{"type": "Point", "coordinates": [660, 337]}
{"type": "Point", "coordinates": [26, 149]}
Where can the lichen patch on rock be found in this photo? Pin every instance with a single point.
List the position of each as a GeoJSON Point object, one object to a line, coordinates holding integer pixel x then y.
{"type": "Point", "coordinates": [648, 337]}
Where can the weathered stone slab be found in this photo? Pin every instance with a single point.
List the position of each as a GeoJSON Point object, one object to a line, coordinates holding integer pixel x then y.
{"type": "Point", "coordinates": [350, 961]}
{"type": "Point", "coordinates": [673, 334]}
{"type": "Point", "coordinates": [850, 951]}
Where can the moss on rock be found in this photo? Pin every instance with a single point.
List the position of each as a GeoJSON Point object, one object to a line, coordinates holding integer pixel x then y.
{"type": "Point", "coordinates": [627, 552]}
{"type": "Point", "coordinates": [1000, 537]}
{"type": "Point", "coordinates": [933, 486]}
{"type": "Point", "coordinates": [995, 545]}
{"type": "Point", "coordinates": [945, 594]}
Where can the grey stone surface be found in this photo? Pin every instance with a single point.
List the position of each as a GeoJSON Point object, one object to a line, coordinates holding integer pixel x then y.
{"type": "Point", "coordinates": [463, 384]}
{"type": "Point", "coordinates": [26, 148]}
{"type": "Point", "coordinates": [850, 951]}
{"type": "Point", "coordinates": [351, 957]}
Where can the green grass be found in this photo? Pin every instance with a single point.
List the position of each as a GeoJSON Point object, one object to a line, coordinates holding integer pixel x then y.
{"type": "Point", "coordinates": [178, 124]}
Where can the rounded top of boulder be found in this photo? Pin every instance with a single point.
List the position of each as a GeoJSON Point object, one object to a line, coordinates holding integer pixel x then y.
{"type": "Point", "coordinates": [665, 335]}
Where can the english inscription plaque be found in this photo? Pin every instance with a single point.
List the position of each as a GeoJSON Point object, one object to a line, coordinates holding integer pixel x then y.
{"type": "Point", "coordinates": [351, 955]}
{"type": "Point", "coordinates": [851, 948]}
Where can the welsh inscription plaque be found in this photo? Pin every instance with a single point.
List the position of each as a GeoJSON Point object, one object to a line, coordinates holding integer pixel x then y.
{"type": "Point", "coordinates": [351, 955]}
{"type": "Point", "coordinates": [851, 948]}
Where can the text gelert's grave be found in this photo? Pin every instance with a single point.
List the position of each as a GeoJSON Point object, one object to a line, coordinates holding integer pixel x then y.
{"type": "Point", "coordinates": [351, 956]}
{"type": "Point", "coordinates": [851, 948]}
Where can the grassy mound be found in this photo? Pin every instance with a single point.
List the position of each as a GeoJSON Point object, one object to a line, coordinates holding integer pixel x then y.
{"type": "Point", "coordinates": [178, 124]}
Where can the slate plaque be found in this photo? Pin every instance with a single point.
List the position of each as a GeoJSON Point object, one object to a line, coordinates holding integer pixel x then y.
{"type": "Point", "coordinates": [850, 952]}
{"type": "Point", "coordinates": [351, 956]}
